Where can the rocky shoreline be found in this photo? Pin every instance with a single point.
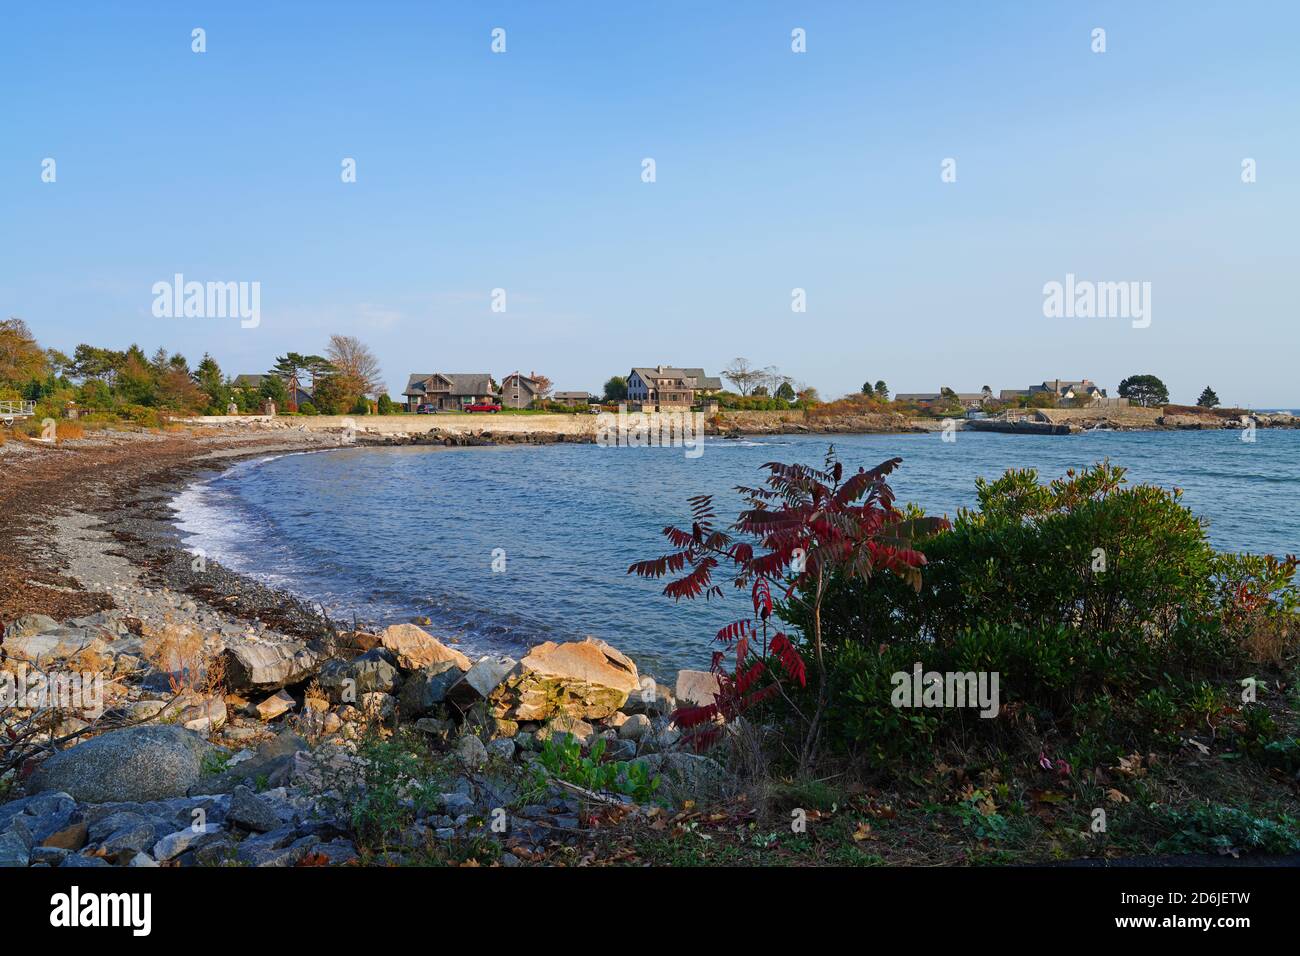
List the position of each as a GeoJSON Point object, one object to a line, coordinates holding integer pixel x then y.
{"type": "Point", "coordinates": [237, 726]}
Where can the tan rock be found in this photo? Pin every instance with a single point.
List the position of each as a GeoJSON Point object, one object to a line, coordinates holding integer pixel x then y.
{"type": "Point", "coordinates": [281, 702]}
{"type": "Point", "coordinates": [564, 725]}
{"type": "Point", "coordinates": [361, 640]}
{"type": "Point", "coordinates": [71, 837]}
{"type": "Point", "coordinates": [581, 679]}
{"type": "Point", "coordinates": [696, 688]}
{"type": "Point", "coordinates": [415, 648]}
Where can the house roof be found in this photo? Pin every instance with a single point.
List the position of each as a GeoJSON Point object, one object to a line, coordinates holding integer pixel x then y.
{"type": "Point", "coordinates": [524, 380]}
{"type": "Point", "coordinates": [467, 383]}
{"type": "Point", "coordinates": [648, 373]}
{"type": "Point", "coordinates": [564, 395]}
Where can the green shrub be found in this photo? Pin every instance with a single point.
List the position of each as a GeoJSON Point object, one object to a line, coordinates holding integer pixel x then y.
{"type": "Point", "coordinates": [1222, 829]}
{"type": "Point", "coordinates": [562, 758]}
{"type": "Point", "coordinates": [397, 780]}
{"type": "Point", "coordinates": [1080, 588]}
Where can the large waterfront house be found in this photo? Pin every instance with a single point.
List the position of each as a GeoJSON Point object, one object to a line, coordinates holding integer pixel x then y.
{"type": "Point", "coordinates": [1079, 391]}
{"type": "Point", "coordinates": [520, 391]}
{"type": "Point", "coordinates": [448, 391]}
{"type": "Point", "coordinates": [968, 400]}
{"type": "Point", "coordinates": [665, 386]}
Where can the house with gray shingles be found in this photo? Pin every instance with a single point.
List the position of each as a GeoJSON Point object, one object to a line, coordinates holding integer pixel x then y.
{"type": "Point", "coordinates": [1080, 390]}
{"type": "Point", "coordinates": [519, 391]}
{"type": "Point", "coordinates": [666, 386]}
{"type": "Point", "coordinates": [573, 399]}
{"type": "Point", "coordinates": [448, 391]}
{"type": "Point", "coordinates": [969, 400]}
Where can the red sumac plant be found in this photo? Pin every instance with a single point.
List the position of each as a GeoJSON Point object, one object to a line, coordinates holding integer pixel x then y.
{"type": "Point", "coordinates": [800, 529]}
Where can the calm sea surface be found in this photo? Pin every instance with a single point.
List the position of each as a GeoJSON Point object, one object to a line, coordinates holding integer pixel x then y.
{"type": "Point", "coordinates": [390, 533]}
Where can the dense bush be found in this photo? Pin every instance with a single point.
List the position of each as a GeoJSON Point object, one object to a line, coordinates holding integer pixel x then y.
{"type": "Point", "coordinates": [1085, 551]}
{"type": "Point", "coordinates": [1083, 595]}
{"type": "Point", "coordinates": [753, 403]}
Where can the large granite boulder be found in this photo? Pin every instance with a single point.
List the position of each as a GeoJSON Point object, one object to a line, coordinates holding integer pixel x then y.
{"type": "Point", "coordinates": [580, 679]}
{"type": "Point", "coordinates": [428, 687]}
{"type": "Point", "coordinates": [348, 681]}
{"type": "Point", "coordinates": [414, 648]}
{"type": "Point", "coordinates": [270, 666]}
{"type": "Point", "coordinates": [133, 764]}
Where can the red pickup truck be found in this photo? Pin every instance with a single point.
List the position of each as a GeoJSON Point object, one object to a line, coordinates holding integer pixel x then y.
{"type": "Point", "coordinates": [483, 407]}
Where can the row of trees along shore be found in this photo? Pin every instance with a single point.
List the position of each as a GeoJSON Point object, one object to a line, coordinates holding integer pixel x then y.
{"type": "Point", "coordinates": [132, 385]}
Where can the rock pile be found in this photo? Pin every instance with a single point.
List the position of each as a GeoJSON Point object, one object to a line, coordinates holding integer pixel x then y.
{"type": "Point", "coordinates": [272, 769]}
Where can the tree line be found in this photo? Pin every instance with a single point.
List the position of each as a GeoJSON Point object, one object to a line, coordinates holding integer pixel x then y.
{"type": "Point", "coordinates": [129, 383]}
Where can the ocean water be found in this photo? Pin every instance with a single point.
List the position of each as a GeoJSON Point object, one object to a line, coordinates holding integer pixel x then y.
{"type": "Point", "coordinates": [385, 534]}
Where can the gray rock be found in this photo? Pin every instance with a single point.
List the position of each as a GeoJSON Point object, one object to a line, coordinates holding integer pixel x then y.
{"type": "Point", "coordinates": [272, 763]}
{"type": "Point", "coordinates": [621, 750]}
{"type": "Point", "coordinates": [270, 666]}
{"type": "Point", "coordinates": [635, 727]}
{"type": "Point", "coordinates": [338, 852]}
{"type": "Point", "coordinates": [77, 860]}
{"type": "Point", "coordinates": [502, 747]}
{"type": "Point", "coordinates": [378, 705]}
{"type": "Point", "coordinates": [142, 859]}
{"type": "Point", "coordinates": [346, 681]}
{"type": "Point", "coordinates": [454, 804]}
{"type": "Point", "coordinates": [174, 844]}
{"type": "Point", "coordinates": [205, 717]}
{"type": "Point", "coordinates": [37, 817]}
{"type": "Point", "coordinates": [50, 648]}
{"type": "Point", "coordinates": [481, 680]}
{"type": "Point", "coordinates": [259, 854]}
{"type": "Point", "coordinates": [14, 850]}
{"type": "Point", "coordinates": [435, 727]}
{"type": "Point", "coordinates": [130, 840]}
{"type": "Point", "coordinates": [251, 811]}
{"type": "Point", "coordinates": [101, 827]}
{"type": "Point", "coordinates": [30, 624]}
{"type": "Point", "coordinates": [427, 688]}
{"type": "Point", "coordinates": [51, 855]}
{"type": "Point", "coordinates": [136, 763]}
{"type": "Point", "coordinates": [471, 752]}
{"type": "Point", "coordinates": [222, 849]}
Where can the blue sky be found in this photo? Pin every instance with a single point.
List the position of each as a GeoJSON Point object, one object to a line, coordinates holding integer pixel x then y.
{"type": "Point", "coordinates": [775, 170]}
